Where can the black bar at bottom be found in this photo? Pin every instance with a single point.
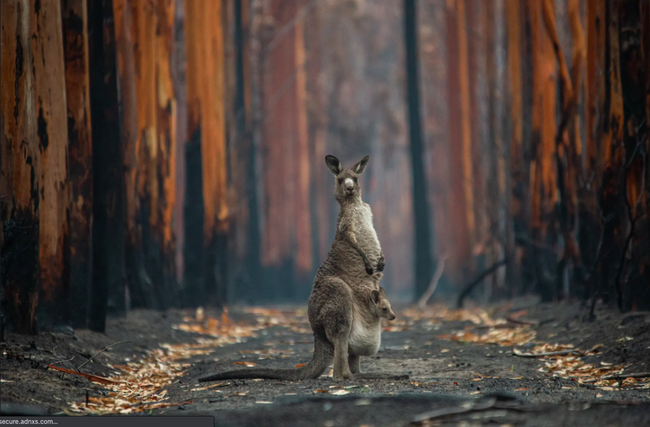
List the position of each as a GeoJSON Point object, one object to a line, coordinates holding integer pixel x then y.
{"type": "Point", "coordinates": [110, 421]}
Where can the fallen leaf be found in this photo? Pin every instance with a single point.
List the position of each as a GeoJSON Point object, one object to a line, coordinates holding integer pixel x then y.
{"type": "Point", "coordinates": [340, 392]}
{"type": "Point", "coordinates": [522, 389]}
{"type": "Point", "coordinates": [263, 402]}
{"type": "Point", "coordinates": [320, 390]}
{"type": "Point", "coordinates": [216, 385]}
{"type": "Point", "coordinates": [300, 365]}
{"type": "Point", "coordinates": [246, 363]}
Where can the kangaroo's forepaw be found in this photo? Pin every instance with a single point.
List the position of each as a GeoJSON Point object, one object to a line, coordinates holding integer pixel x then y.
{"type": "Point", "coordinates": [381, 262]}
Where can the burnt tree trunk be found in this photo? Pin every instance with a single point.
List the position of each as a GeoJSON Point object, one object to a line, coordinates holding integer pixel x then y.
{"type": "Point", "coordinates": [611, 159]}
{"type": "Point", "coordinates": [460, 200]}
{"type": "Point", "coordinates": [109, 214]}
{"type": "Point", "coordinates": [52, 132]}
{"type": "Point", "coordinates": [590, 222]}
{"type": "Point", "coordinates": [205, 202]}
{"type": "Point", "coordinates": [180, 94]}
{"type": "Point", "coordinates": [421, 213]}
{"type": "Point", "coordinates": [543, 175]}
{"type": "Point", "coordinates": [248, 277]}
{"type": "Point", "coordinates": [165, 177]}
{"type": "Point", "coordinates": [75, 37]}
{"type": "Point", "coordinates": [19, 174]}
{"type": "Point", "coordinates": [518, 179]}
{"type": "Point", "coordinates": [138, 279]}
{"type": "Point", "coordinates": [633, 274]}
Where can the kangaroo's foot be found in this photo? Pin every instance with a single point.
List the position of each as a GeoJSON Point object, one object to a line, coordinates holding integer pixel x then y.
{"type": "Point", "coordinates": [343, 376]}
{"type": "Point", "coordinates": [355, 363]}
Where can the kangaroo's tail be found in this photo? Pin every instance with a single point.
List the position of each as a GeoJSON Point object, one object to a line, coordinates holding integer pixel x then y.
{"type": "Point", "coordinates": [314, 369]}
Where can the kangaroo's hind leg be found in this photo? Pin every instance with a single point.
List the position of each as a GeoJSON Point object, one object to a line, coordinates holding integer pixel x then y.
{"type": "Point", "coordinates": [355, 363]}
{"type": "Point", "coordinates": [330, 311]}
{"type": "Point", "coordinates": [338, 333]}
{"type": "Point", "coordinates": [341, 366]}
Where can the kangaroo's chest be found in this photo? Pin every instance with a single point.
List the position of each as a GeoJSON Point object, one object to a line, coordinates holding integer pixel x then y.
{"type": "Point", "coordinates": [364, 339]}
{"type": "Point", "coordinates": [364, 228]}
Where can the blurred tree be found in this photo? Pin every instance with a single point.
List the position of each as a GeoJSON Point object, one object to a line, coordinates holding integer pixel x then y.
{"type": "Point", "coordinates": [52, 132]}
{"type": "Point", "coordinates": [19, 175]}
{"type": "Point", "coordinates": [206, 155]}
{"type": "Point", "coordinates": [75, 45]}
{"type": "Point", "coordinates": [138, 280]}
{"type": "Point", "coordinates": [421, 211]}
{"type": "Point", "coordinates": [109, 212]}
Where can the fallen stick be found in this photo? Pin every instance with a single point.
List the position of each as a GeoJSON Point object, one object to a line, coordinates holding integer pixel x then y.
{"type": "Point", "coordinates": [93, 378]}
{"type": "Point", "coordinates": [422, 302]}
{"type": "Point", "coordinates": [620, 377]}
{"type": "Point", "coordinates": [519, 353]}
{"type": "Point", "coordinates": [470, 287]}
{"type": "Point", "coordinates": [454, 410]}
{"type": "Point", "coordinates": [523, 322]}
{"type": "Point", "coordinates": [101, 351]}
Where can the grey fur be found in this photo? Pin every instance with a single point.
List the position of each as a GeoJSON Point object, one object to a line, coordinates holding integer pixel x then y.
{"type": "Point", "coordinates": [346, 302]}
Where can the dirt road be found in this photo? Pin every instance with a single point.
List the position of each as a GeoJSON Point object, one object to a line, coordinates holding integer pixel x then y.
{"type": "Point", "coordinates": [461, 367]}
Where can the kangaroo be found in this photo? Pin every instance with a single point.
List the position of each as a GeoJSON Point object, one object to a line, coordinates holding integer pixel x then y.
{"type": "Point", "coordinates": [330, 319]}
{"type": "Point", "coordinates": [355, 234]}
{"type": "Point", "coordinates": [345, 326]}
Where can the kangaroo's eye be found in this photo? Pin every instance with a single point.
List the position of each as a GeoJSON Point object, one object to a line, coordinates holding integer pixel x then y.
{"type": "Point", "coordinates": [355, 179]}
{"type": "Point", "coordinates": [385, 309]}
{"type": "Point", "coordinates": [340, 180]}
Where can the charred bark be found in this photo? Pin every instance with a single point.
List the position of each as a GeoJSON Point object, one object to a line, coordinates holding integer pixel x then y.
{"type": "Point", "coordinates": [109, 213]}
{"type": "Point", "coordinates": [75, 37]}
{"type": "Point", "coordinates": [19, 175]}
{"type": "Point", "coordinates": [52, 132]}
{"type": "Point", "coordinates": [421, 209]}
{"type": "Point", "coordinates": [138, 280]}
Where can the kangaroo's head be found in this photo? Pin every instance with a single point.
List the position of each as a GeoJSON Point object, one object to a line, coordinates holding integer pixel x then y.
{"type": "Point", "coordinates": [347, 184]}
{"type": "Point", "coordinates": [380, 305]}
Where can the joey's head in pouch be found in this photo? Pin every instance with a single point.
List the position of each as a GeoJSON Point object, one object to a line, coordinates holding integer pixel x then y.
{"type": "Point", "coordinates": [380, 304]}
{"type": "Point", "coordinates": [347, 179]}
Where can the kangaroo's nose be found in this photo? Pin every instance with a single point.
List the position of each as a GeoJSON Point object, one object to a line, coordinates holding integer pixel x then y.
{"type": "Point", "coordinates": [349, 185]}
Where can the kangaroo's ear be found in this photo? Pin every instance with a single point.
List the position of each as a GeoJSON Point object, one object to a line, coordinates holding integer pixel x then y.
{"type": "Point", "coordinates": [382, 292]}
{"type": "Point", "coordinates": [361, 166]}
{"type": "Point", "coordinates": [375, 296]}
{"type": "Point", "coordinates": [333, 164]}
